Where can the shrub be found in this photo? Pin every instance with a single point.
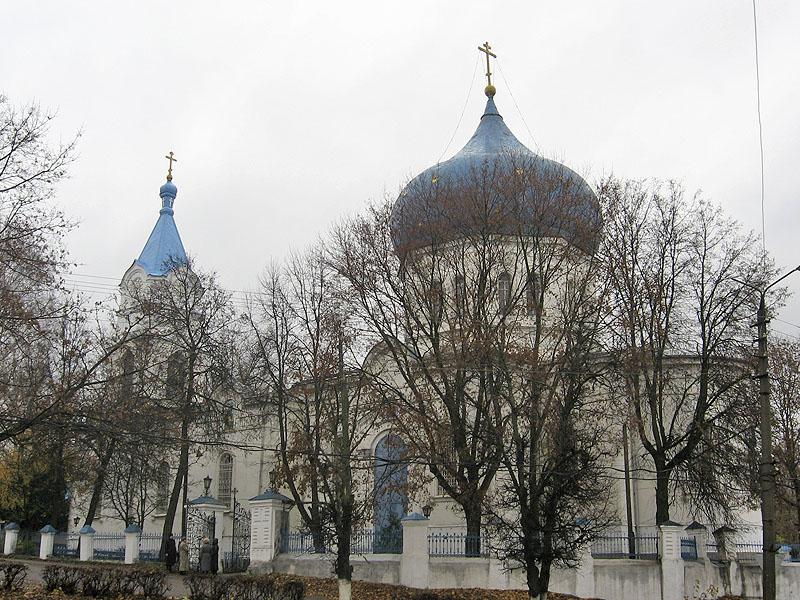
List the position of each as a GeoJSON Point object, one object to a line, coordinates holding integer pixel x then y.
{"type": "Point", "coordinates": [98, 582]}
{"type": "Point", "coordinates": [13, 575]}
{"type": "Point", "coordinates": [250, 587]}
{"type": "Point", "coordinates": [57, 577]}
{"type": "Point", "coordinates": [151, 582]}
{"type": "Point", "coordinates": [292, 590]}
{"type": "Point", "coordinates": [207, 587]}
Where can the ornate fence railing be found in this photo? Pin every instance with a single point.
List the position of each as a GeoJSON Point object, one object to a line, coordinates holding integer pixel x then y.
{"type": "Point", "coordinates": [109, 546]}
{"type": "Point", "coordinates": [28, 543]}
{"type": "Point", "coordinates": [362, 541]}
{"type": "Point", "coordinates": [750, 547]}
{"type": "Point", "coordinates": [689, 548]}
{"type": "Point", "coordinates": [644, 547]}
{"type": "Point", "coordinates": [149, 547]}
{"type": "Point", "coordinates": [456, 543]}
{"type": "Point", "coordinates": [65, 545]}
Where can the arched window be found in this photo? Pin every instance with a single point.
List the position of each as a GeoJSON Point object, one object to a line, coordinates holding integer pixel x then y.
{"type": "Point", "coordinates": [225, 481]}
{"type": "Point", "coordinates": [504, 291]}
{"type": "Point", "coordinates": [391, 499]}
{"type": "Point", "coordinates": [162, 482]}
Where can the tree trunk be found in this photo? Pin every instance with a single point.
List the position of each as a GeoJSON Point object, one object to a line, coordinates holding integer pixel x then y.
{"type": "Point", "coordinates": [662, 494]}
{"type": "Point", "coordinates": [472, 514]}
{"type": "Point", "coordinates": [99, 482]}
{"type": "Point", "coordinates": [532, 579]}
{"type": "Point", "coordinates": [183, 466]}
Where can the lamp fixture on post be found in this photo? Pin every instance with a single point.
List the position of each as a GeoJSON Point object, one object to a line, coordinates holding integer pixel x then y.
{"type": "Point", "coordinates": [427, 510]}
{"type": "Point", "coordinates": [75, 521]}
{"type": "Point", "coordinates": [206, 484]}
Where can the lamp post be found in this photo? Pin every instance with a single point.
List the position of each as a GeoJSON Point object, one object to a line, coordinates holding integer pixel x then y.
{"type": "Point", "coordinates": [206, 484]}
{"type": "Point", "coordinates": [766, 466]}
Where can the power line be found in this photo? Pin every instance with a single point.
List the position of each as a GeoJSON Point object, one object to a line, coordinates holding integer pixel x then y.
{"type": "Point", "coordinates": [760, 132]}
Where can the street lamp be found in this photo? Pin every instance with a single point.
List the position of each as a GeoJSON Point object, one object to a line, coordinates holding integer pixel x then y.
{"type": "Point", "coordinates": [427, 510]}
{"type": "Point", "coordinates": [766, 467]}
{"type": "Point", "coordinates": [76, 520]}
{"type": "Point", "coordinates": [206, 484]}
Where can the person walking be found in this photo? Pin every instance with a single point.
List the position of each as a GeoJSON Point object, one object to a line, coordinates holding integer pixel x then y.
{"type": "Point", "coordinates": [170, 553]}
{"type": "Point", "coordinates": [183, 557]}
{"type": "Point", "coordinates": [215, 556]}
{"type": "Point", "coordinates": [205, 556]}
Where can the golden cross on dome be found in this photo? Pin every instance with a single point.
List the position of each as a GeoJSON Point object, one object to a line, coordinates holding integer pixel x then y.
{"type": "Point", "coordinates": [487, 49]}
{"type": "Point", "coordinates": [171, 158]}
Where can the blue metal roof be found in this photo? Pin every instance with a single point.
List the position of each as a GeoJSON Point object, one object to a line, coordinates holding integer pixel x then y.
{"type": "Point", "coordinates": [164, 248]}
{"type": "Point", "coordinates": [555, 200]}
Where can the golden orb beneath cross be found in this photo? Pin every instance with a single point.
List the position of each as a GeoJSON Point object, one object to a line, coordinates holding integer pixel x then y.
{"type": "Point", "coordinates": [490, 90]}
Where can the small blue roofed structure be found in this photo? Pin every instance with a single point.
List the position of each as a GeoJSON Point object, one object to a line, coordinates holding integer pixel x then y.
{"type": "Point", "coordinates": [164, 248]}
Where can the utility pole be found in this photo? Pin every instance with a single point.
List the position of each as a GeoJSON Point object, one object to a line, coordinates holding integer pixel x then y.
{"type": "Point", "coordinates": [766, 466]}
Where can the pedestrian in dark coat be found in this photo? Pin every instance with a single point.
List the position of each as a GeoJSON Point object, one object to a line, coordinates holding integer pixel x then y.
{"type": "Point", "coordinates": [170, 553]}
{"type": "Point", "coordinates": [215, 556]}
{"type": "Point", "coordinates": [205, 556]}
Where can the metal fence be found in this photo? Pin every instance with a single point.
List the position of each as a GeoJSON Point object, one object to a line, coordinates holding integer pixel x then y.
{"type": "Point", "coordinates": [28, 543]}
{"type": "Point", "coordinates": [689, 548]}
{"type": "Point", "coordinates": [362, 541]}
{"type": "Point", "coordinates": [149, 547]}
{"type": "Point", "coordinates": [109, 546]}
{"type": "Point", "coordinates": [371, 541]}
{"type": "Point", "coordinates": [65, 545]}
{"type": "Point", "coordinates": [753, 547]}
{"type": "Point", "coordinates": [233, 562]}
{"type": "Point", "coordinates": [644, 547]}
{"type": "Point", "coordinates": [456, 543]}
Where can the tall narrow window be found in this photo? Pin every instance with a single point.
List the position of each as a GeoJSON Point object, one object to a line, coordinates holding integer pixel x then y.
{"type": "Point", "coordinates": [436, 301]}
{"type": "Point", "coordinates": [128, 367]}
{"type": "Point", "coordinates": [162, 492]}
{"type": "Point", "coordinates": [225, 484]}
{"type": "Point", "coordinates": [460, 291]}
{"type": "Point", "coordinates": [532, 293]}
{"type": "Point", "coordinates": [504, 291]}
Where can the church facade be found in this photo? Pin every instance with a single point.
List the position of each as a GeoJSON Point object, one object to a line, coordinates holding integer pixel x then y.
{"type": "Point", "coordinates": [227, 479]}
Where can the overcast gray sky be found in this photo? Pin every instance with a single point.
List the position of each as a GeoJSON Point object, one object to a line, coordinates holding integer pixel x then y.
{"type": "Point", "coordinates": [287, 116]}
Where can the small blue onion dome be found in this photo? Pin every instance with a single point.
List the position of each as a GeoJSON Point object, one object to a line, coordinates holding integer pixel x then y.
{"type": "Point", "coordinates": [168, 191]}
{"type": "Point", "coordinates": [495, 185]}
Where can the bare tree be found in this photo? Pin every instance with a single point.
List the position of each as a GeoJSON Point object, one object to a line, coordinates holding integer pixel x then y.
{"type": "Point", "coordinates": [189, 326]}
{"type": "Point", "coordinates": [303, 357]}
{"type": "Point", "coordinates": [785, 378]}
{"type": "Point", "coordinates": [681, 319]}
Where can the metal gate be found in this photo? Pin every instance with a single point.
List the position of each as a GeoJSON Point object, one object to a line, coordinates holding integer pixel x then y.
{"type": "Point", "coordinates": [238, 559]}
{"type": "Point", "coordinates": [199, 525]}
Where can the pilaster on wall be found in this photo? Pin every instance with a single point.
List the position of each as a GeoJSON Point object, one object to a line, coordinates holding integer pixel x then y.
{"type": "Point", "coordinates": [268, 519]}
{"type": "Point", "coordinates": [415, 562]}
{"type": "Point", "coordinates": [132, 536]}
{"type": "Point", "coordinates": [672, 572]}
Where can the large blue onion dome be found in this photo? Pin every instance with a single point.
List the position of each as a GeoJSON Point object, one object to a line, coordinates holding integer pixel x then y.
{"type": "Point", "coordinates": [495, 185]}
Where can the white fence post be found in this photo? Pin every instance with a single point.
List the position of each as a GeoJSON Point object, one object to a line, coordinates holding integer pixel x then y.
{"type": "Point", "coordinates": [415, 561]}
{"type": "Point", "coordinates": [12, 534]}
{"type": "Point", "coordinates": [132, 533]}
{"type": "Point", "coordinates": [46, 545]}
{"type": "Point", "coordinates": [672, 572]}
{"type": "Point", "coordinates": [268, 518]}
{"type": "Point", "coordinates": [87, 542]}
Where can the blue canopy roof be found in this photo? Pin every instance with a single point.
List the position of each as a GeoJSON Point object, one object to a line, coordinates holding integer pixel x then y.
{"type": "Point", "coordinates": [164, 248]}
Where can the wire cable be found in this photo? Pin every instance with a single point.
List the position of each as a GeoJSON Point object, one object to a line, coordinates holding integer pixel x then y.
{"type": "Point", "coordinates": [463, 110]}
{"type": "Point", "coordinates": [760, 133]}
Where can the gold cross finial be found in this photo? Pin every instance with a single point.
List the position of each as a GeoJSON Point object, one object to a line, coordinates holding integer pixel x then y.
{"type": "Point", "coordinates": [171, 158]}
{"type": "Point", "coordinates": [487, 49]}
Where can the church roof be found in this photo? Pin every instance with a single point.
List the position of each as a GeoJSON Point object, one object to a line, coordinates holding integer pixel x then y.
{"type": "Point", "coordinates": [545, 197]}
{"type": "Point", "coordinates": [164, 248]}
